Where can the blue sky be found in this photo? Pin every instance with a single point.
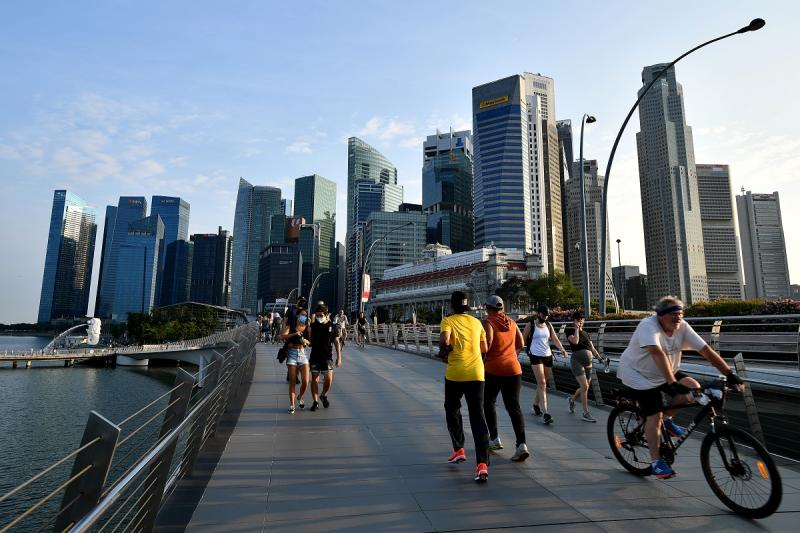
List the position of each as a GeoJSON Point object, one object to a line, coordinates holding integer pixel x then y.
{"type": "Point", "coordinates": [181, 98]}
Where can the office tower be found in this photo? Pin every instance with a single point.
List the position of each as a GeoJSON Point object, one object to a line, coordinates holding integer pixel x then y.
{"type": "Point", "coordinates": [255, 206]}
{"type": "Point", "coordinates": [176, 278]}
{"type": "Point", "coordinates": [174, 213]}
{"type": "Point", "coordinates": [621, 274]}
{"type": "Point", "coordinates": [341, 277]}
{"type": "Point", "coordinates": [105, 252]}
{"type": "Point", "coordinates": [68, 261]}
{"type": "Point", "coordinates": [794, 291]}
{"type": "Point", "coordinates": [277, 232]}
{"type": "Point", "coordinates": [280, 271]}
{"type": "Point", "coordinates": [594, 184]}
{"type": "Point", "coordinates": [564, 128]}
{"type": "Point", "coordinates": [129, 209]}
{"type": "Point", "coordinates": [720, 239]}
{"type": "Point", "coordinates": [286, 207]}
{"type": "Point", "coordinates": [673, 233]}
{"type": "Point", "coordinates": [371, 186]}
{"type": "Point", "coordinates": [766, 268]}
{"type": "Point", "coordinates": [509, 187]}
{"type": "Point", "coordinates": [135, 287]}
{"type": "Point", "coordinates": [315, 201]}
{"type": "Point", "coordinates": [636, 294]}
{"type": "Point", "coordinates": [211, 268]}
{"type": "Point", "coordinates": [398, 238]}
{"type": "Point", "coordinates": [447, 189]}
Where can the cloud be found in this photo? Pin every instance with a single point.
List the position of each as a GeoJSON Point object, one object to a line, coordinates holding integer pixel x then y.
{"type": "Point", "coordinates": [387, 129]}
{"type": "Point", "coordinates": [250, 152]}
{"type": "Point", "coordinates": [146, 169]}
{"type": "Point", "coordinates": [299, 147]}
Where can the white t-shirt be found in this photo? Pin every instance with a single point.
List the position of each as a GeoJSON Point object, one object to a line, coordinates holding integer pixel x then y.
{"type": "Point", "coordinates": [637, 368]}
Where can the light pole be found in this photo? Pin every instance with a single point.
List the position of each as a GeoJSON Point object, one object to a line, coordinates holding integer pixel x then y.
{"type": "Point", "coordinates": [314, 286]}
{"type": "Point", "coordinates": [622, 274]}
{"type": "Point", "coordinates": [315, 249]}
{"type": "Point", "coordinates": [366, 259]}
{"type": "Point", "coordinates": [755, 24]}
{"type": "Point", "coordinates": [587, 310]}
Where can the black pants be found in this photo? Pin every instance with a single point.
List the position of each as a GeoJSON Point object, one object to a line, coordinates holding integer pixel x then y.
{"type": "Point", "coordinates": [473, 394]}
{"type": "Point", "coordinates": [509, 386]}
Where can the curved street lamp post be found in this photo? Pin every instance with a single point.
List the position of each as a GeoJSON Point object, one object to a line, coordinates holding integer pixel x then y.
{"type": "Point", "coordinates": [755, 24]}
{"type": "Point", "coordinates": [587, 310]}
{"type": "Point", "coordinates": [366, 259]}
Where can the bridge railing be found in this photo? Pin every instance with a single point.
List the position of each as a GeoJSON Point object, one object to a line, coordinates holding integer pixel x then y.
{"type": "Point", "coordinates": [119, 476]}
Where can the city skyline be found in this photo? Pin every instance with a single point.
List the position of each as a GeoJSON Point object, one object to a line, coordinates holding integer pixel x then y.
{"type": "Point", "coordinates": [104, 140]}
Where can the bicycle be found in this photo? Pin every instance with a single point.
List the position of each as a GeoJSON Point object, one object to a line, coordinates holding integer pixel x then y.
{"type": "Point", "coordinates": [738, 468]}
{"type": "Point", "coordinates": [361, 336]}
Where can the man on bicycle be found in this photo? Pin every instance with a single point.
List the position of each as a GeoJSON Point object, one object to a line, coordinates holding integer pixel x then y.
{"type": "Point", "coordinates": [650, 367]}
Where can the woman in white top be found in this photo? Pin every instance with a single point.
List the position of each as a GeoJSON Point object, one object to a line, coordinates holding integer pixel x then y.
{"type": "Point", "coordinates": [538, 335]}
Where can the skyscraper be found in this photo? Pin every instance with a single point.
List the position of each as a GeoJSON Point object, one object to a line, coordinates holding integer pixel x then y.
{"type": "Point", "coordinates": [255, 206]}
{"type": "Point", "coordinates": [673, 234]}
{"type": "Point", "coordinates": [720, 241]}
{"type": "Point", "coordinates": [594, 184]}
{"type": "Point", "coordinates": [68, 262]}
{"type": "Point", "coordinates": [211, 268]}
{"type": "Point", "coordinates": [176, 278]}
{"type": "Point", "coordinates": [371, 186]}
{"type": "Point", "coordinates": [105, 252]}
{"type": "Point", "coordinates": [280, 271]}
{"type": "Point", "coordinates": [175, 258]}
{"type": "Point", "coordinates": [135, 287]}
{"type": "Point", "coordinates": [447, 189]}
{"type": "Point", "coordinates": [315, 201]}
{"type": "Point", "coordinates": [564, 128]}
{"type": "Point", "coordinates": [400, 237]}
{"type": "Point", "coordinates": [129, 209]}
{"type": "Point", "coordinates": [766, 268]}
{"type": "Point", "coordinates": [286, 207]}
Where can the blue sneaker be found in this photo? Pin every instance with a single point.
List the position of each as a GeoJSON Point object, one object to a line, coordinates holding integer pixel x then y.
{"type": "Point", "coordinates": [673, 429]}
{"type": "Point", "coordinates": [662, 470]}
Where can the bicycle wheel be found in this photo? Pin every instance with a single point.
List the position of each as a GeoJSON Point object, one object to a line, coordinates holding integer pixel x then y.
{"type": "Point", "coordinates": [741, 472]}
{"type": "Point", "coordinates": [625, 431]}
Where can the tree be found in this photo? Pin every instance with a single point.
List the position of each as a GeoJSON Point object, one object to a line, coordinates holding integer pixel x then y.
{"type": "Point", "coordinates": [515, 293]}
{"type": "Point", "coordinates": [554, 289]}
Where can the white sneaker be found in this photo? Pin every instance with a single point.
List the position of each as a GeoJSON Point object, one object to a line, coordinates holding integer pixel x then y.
{"type": "Point", "coordinates": [495, 444]}
{"type": "Point", "coordinates": [521, 454]}
{"type": "Point", "coordinates": [588, 418]}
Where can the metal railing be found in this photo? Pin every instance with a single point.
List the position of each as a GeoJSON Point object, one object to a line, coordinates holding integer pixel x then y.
{"type": "Point", "coordinates": [122, 473]}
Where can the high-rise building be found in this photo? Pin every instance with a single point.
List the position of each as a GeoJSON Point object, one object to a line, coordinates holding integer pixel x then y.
{"type": "Point", "coordinates": [68, 262]}
{"type": "Point", "coordinates": [766, 268]}
{"type": "Point", "coordinates": [593, 186]}
{"type": "Point", "coordinates": [371, 186]}
{"type": "Point", "coordinates": [794, 291]}
{"type": "Point", "coordinates": [720, 239]}
{"type": "Point", "coordinates": [341, 275]}
{"type": "Point", "coordinates": [636, 293]}
{"type": "Point", "coordinates": [174, 213]}
{"type": "Point", "coordinates": [105, 252]}
{"type": "Point", "coordinates": [135, 287]}
{"type": "Point", "coordinates": [277, 233]}
{"type": "Point", "coordinates": [400, 238]}
{"type": "Point", "coordinates": [315, 201]}
{"type": "Point", "coordinates": [211, 268]}
{"type": "Point", "coordinates": [564, 128]}
{"type": "Point", "coordinates": [280, 272]}
{"type": "Point", "coordinates": [447, 189]}
{"type": "Point", "coordinates": [176, 278]}
{"type": "Point", "coordinates": [129, 209]}
{"type": "Point", "coordinates": [673, 233]}
{"type": "Point", "coordinates": [252, 226]}
{"type": "Point", "coordinates": [286, 207]}
{"type": "Point", "coordinates": [510, 204]}
{"type": "Point", "coordinates": [621, 274]}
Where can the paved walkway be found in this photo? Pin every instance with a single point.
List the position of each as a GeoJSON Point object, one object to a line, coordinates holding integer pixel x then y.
{"type": "Point", "coordinates": [375, 462]}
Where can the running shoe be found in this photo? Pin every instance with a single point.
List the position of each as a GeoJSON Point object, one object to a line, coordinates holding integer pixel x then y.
{"type": "Point", "coordinates": [571, 401]}
{"type": "Point", "coordinates": [662, 470]}
{"type": "Point", "coordinates": [482, 473]}
{"type": "Point", "coordinates": [457, 456]}
{"type": "Point", "coordinates": [536, 410]}
{"type": "Point", "coordinates": [672, 428]}
{"type": "Point", "coordinates": [547, 419]}
{"type": "Point", "coordinates": [325, 402]}
{"type": "Point", "coordinates": [587, 417]}
{"type": "Point", "coordinates": [301, 404]}
{"type": "Point", "coordinates": [521, 454]}
{"type": "Point", "coordinates": [314, 405]}
{"type": "Point", "coordinates": [291, 409]}
{"type": "Point", "coordinates": [495, 444]}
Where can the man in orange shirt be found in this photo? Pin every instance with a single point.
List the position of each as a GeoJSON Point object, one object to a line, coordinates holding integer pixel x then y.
{"type": "Point", "coordinates": [503, 373]}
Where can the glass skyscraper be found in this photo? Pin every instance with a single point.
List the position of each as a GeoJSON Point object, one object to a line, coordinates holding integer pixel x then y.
{"type": "Point", "coordinates": [173, 258]}
{"type": "Point", "coordinates": [447, 189]}
{"type": "Point", "coordinates": [211, 268]}
{"type": "Point", "coordinates": [402, 237]}
{"type": "Point", "coordinates": [315, 201]}
{"type": "Point", "coordinates": [129, 209]}
{"type": "Point", "coordinates": [255, 206]}
{"type": "Point", "coordinates": [136, 282]}
{"type": "Point", "coordinates": [68, 263]}
{"type": "Point", "coordinates": [105, 252]}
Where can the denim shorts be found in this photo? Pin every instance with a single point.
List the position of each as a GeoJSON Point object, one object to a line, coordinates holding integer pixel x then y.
{"type": "Point", "coordinates": [296, 357]}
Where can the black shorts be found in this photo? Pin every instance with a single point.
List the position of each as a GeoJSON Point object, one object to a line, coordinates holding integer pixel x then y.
{"type": "Point", "coordinates": [321, 366]}
{"type": "Point", "coordinates": [652, 401]}
{"type": "Point", "coordinates": [546, 361]}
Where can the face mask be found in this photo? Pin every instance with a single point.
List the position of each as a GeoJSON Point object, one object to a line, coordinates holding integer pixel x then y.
{"type": "Point", "coordinates": [302, 319]}
{"type": "Point", "coordinates": [318, 318]}
{"type": "Point", "coordinates": [542, 320]}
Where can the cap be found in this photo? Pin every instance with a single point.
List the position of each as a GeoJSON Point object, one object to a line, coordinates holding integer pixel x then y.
{"type": "Point", "coordinates": [321, 307]}
{"type": "Point", "coordinates": [494, 301]}
{"type": "Point", "coordinates": [543, 310]}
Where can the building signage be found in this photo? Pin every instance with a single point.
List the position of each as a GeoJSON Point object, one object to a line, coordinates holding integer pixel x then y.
{"type": "Point", "coordinates": [365, 286]}
{"type": "Point", "coordinates": [292, 229]}
{"type": "Point", "coordinates": [493, 102]}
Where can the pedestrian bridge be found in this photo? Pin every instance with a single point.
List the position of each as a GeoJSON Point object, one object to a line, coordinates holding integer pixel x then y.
{"type": "Point", "coordinates": [375, 461]}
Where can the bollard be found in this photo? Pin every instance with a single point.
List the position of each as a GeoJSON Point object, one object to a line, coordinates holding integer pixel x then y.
{"type": "Point", "coordinates": [416, 337]}
{"type": "Point", "coordinates": [749, 401]}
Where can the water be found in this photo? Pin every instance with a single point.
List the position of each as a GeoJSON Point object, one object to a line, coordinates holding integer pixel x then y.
{"type": "Point", "coordinates": [43, 411]}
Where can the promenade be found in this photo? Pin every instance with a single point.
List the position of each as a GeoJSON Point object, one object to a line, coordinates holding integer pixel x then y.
{"type": "Point", "coordinates": [375, 461]}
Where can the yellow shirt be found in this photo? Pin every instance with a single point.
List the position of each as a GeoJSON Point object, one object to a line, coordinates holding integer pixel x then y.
{"type": "Point", "coordinates": [464, 363]}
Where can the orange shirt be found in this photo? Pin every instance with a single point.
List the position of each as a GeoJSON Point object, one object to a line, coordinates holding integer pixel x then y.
{"type": "Point", "coordinates": [501, 359]}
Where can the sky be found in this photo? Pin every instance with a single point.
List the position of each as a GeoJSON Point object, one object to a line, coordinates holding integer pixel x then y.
{"type": "Point", "coordinates": [182, 98]}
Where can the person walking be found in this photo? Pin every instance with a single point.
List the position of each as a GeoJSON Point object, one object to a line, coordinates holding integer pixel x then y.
{"type": "Point", "coordinates": [296, 360]}
{"type": "Point", "coordinates": [461, 342]}
{"type": "Point", "coordinates": [324, 340]}
{"type": "Point", "coordinates": [581, 363]}
{"type": "Point", "coordinates": [341, 322]}
{"type": "Point", "coordinates": [538, 334]}
{"type": "Point", "coordinates": [503, 375]}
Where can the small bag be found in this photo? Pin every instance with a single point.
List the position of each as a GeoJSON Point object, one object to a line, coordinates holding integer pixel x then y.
{"type": "Point", "coordinates": [283, 353]}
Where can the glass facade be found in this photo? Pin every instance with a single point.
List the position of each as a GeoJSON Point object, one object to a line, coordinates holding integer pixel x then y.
{"type": "Point", "coordinates": [252, 226]}
{"type": "Point", "coordinates": [105, 252]}
{"type": "Point", "coordinates": [174, 213]}
{"type": "Point", "coordinates": [402, 237]}
{"type": "Point", "coordinates": [211, 268]}
{"type": "Point", "coordinates": [315, 201]}
{"type": "Point", "coordinates": [176, 279]}
{"type": "Point", "coordinates": [280, 270]}
{"type": "Point", "coordinates": [68, 262]}
{"type": "Point", "coordinates": [136, 283]}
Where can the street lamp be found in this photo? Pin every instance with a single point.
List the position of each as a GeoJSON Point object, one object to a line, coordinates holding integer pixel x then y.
{"type": "Point", "coordinates": [366, 259]}
{"type": "Point", "coordinates": [755, 24]}
{"type": "Point", "coordinates": [622, 275]}
{"type": "Point", "coordinates": [587, 310]}
{"type": "Point", "coordinates": [314, 286]}
{"type": "Point", "coordinates": [315, 257]}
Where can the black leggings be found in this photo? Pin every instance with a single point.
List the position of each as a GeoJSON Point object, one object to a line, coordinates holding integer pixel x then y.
{"type": "Point", "coordinates": [473, 394]}
{"type": "Point", "coordinates": [509, 386]}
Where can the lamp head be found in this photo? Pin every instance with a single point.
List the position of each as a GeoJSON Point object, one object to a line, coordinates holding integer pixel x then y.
{"type": "Point", "coordinates": [590, 119]}
{"type": "Point", "coordinates": [755, 24]}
